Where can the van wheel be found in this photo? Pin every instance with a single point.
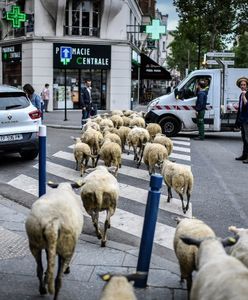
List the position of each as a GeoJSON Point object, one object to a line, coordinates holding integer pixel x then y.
{"type": "Point", "coordinates": [29, 154]}
{"type": "Point", "coordinates": [170, 126]}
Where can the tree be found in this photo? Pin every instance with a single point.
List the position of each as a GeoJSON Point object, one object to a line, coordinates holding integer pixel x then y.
{"type": "Point", "coordinates": [241, 52]}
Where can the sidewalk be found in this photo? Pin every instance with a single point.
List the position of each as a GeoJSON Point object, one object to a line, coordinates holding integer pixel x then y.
{"type": "Point", "coordinates": [56, 118]}
{"type": "Point", "coordinates": [18, 269]}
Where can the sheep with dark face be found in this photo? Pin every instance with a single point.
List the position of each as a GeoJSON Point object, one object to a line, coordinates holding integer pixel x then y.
{"type": "Point", "coordinates": [54, 223]}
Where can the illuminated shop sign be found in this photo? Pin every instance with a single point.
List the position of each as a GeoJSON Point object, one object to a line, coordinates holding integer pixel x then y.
{"type": "Point", "coordinates": [15, 16]}
{"type": "Point", "coordinates": [71, 56]}
{"type": "Point", "coordinates": [155, 29]}
{"type": "Point", "coordinates": [12, 53]}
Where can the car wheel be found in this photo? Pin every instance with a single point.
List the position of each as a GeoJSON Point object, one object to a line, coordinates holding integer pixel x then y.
{"type": "Point", "coordinates": [170, 126]}
{"type": "Point", "coordinates": [29, 154]}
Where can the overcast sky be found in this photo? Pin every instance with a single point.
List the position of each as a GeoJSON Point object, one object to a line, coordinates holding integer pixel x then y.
{"type": "Point", "coordinates": [166, 7]}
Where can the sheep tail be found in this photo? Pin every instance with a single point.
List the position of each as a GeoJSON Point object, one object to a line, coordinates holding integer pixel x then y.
{"type": "Point", "coordinates": [51, 234]}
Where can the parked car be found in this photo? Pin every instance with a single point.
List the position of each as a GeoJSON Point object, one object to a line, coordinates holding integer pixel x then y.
{"type": "Point", "coordinates": [19, 123]}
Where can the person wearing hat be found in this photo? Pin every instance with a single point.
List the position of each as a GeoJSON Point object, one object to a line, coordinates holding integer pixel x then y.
{"type": "Point", "coordinates": [242, 117]}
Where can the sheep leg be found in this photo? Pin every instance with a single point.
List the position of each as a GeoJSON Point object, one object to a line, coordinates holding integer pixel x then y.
{"type": "Point", "coordinates": [169, 193]}
{"type": "Point", "coordinates": [189, 284]}
{"type": "Point", "coordinates": [188, 198]}
{"type": "Point", "coordinates": [98, 156]}
{"type": "Point", "coordinates": [95, 217]}
{"type": "Point", "coordinates": [76, 165]}
{"type": "Point", "coordinates": [184, 209]}
{"type": "Point", "coordinates": [106, 226]}
{"type": "Point", "coordinates": [38, 257]}
{"type": "Point", "coordinates": [58, 280]}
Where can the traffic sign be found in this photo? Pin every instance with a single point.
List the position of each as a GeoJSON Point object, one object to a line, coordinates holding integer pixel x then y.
{"type": "Point", "coordinates": [65, 55]}
{"type": "Point", "coordinates": [214, 62]}
{"type": "Point", "coordinates": [221, 54]}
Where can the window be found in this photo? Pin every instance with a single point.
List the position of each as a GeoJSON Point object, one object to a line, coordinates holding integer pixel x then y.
{"type": "Point", "coordinates": [82, 18]}
{"type": "Point", "coordinates": [190, 88]}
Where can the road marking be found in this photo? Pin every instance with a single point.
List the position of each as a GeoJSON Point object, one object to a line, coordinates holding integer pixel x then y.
{"type": "Point", "coordinates": [181, 138]}
{"type": "Point", "coordinates": [181, 149]}
{"type": "Point", "coordinates": [181, 143]}
{"type": "Point", "coordinates": [122, 220]}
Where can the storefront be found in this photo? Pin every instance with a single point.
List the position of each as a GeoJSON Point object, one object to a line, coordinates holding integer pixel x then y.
{"type": "Point", "coordinates": [12, 65]}
{"type": "Point", "coordinates": [73, 64]}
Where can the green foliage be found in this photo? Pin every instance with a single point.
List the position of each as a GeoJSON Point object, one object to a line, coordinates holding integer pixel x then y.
{"type": "Point", "coordinates": [241, 52]}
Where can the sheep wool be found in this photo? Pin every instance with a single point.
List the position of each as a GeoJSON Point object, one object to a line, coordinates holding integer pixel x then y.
{"type": "Point", "coordinates": [153, 129]}
{"type": "Point", "coordinates": [164, 140]}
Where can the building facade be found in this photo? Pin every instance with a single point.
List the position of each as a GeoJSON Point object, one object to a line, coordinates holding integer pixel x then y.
{"type": "Point", "coordinates": [65, 42]}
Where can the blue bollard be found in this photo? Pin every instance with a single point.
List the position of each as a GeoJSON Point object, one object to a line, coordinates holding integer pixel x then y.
{"type": "Point", "coordinates": [42, 160]}
{"type": "Point", "coordinates": [149, 226]}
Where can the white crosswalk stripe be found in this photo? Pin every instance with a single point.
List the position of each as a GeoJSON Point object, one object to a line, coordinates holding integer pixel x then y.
{"type": "Point", "coordinates": [122, 220]}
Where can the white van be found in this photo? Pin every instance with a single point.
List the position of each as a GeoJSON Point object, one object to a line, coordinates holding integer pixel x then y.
{"type": "Point", "coordinates": [175, 111]}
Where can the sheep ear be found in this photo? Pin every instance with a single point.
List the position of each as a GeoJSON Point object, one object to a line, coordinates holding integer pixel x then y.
{"type": "Point", "coordinates": [76, 185]}
{"type": "Point", "coordinates": [230, 241]}
{"type": "Point", "coordinates": [112, 169]}
{"type": "Point", "coordinates": [105, 277]}
{"type": "Point", "coordinates": [52, 184]}
{"type": "Point", "coordinates": [73, 138]}
{"type": "Point", "coordinates": [190, 241]}
{"type": "Point", "coordinates": [178, 219]}
{"type": "Point", "coordinates": [233, 229]}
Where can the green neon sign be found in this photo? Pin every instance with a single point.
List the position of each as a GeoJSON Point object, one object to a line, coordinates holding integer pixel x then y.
{"type": "Point", "coordinates": [15, 16]}
{"type": "Point", "coordinates": [155, 29]}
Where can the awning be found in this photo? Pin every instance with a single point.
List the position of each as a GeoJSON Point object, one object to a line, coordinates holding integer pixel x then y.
{"type": "Point", "coordinates": [151, 70]}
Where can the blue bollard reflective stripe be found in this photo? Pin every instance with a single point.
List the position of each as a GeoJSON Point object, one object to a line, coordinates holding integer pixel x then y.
{"type": "Point", "coordinates": [148, 232]}
{"type": "Point", "coordinates": [42, 160]}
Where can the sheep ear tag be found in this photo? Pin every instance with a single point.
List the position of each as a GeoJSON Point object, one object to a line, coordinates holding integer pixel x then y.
{"type": "Point", "coordinates": [105, 277]}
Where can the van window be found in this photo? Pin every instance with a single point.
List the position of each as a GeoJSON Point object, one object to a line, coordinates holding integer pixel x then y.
{"type": "Point", "coordinates": [189, 90]}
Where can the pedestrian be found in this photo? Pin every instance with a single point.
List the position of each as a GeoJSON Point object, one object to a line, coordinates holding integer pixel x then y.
{"type": "Point", "coordinates": [33, 97]}
{"type": "Point", "coordinates": [86, 101]}
{"type": "Point", "coordinates": [45, 95]}
{"type": "Point", "coordinates": [242, 117]}
{"type": "Point", "coordinates": [200, 107]}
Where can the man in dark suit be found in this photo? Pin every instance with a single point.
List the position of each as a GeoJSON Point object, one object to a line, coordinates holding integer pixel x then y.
{"type": "Point", "coordinates": [86, 101]}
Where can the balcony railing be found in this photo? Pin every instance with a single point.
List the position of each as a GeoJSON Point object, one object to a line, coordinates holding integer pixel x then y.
{"type": "Point", "coordinates": [82, 31]}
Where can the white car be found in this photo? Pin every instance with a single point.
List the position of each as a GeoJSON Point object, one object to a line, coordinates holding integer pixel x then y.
{"type": "Point", "coordinates": [19, 123]}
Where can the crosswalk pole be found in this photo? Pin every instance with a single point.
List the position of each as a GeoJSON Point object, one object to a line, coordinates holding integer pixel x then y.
{"type": "Point", "coordinates": [149, 226]}
{"type": "Point", "coordinates": [42, 160]}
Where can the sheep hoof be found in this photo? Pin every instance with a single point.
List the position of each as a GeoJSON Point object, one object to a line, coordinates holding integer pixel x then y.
{"type": "Point", "coordinates": [99, 236]}
{"type": "Point", "coordinates": [43, 290]}
{"type": "Point", "coordinates": [67, 270]}
{"type": "Point", "coordinates": [103, 243]}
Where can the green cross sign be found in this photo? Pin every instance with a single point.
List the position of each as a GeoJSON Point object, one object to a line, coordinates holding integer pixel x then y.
{"type": "Point", "coordinates": [15, 16]}
{"type": "Point", "coordinates": [155, 29]}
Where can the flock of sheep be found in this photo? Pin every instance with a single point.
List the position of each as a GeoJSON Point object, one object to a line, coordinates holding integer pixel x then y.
{"type": "Point", "coordinates": [56, 219]}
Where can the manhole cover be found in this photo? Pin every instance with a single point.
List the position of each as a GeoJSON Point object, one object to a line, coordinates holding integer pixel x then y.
{"type": "Point", "coordinates": [12, 244]}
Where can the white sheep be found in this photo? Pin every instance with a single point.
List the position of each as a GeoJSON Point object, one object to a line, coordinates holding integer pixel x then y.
{"type": "Point", "coordinates": [153, 129]}
{"type": "Point", "coordinates": [164, 140]}
{"type": "Point", "coordinates": [116, 112]}
{"type": "Point", "coordinates": [126, 121]}
{"type": "Point", "coordinates": [128, 112]}
{"type": "Point", "coordinates": [137, 121]}
{"type": "Point", "coordinates": [185, 254]}
{"type": "Point", "coordinates": [82, 154]}
{"type": "Point", "coordinates": [110, 153]}
{"type": "Point", "coordinates": [99, 192]}
{"type": "Point", "coordinates": [94, 139]}
{"type": "Point", "coordinates": [114, 137]}
{"type": "Point", "coordinates": [90, 124]}
{"type": "Point", "coordinates": [219, 275]}
{"type": "Point", "coordinates": [240, 249]}
{"type": "Point", "coordinates": [153, 154]}
{"type": "Point", "coordinates": [117, 120]}
{"type": "Point", "coordinates": [117, 288]}
{"type": "Point", "coordinates": [106, 123]}
{"type": "Point", "coordinates": [135, 139]}
{"type": "Point", "coordinates": [180, 178]}
{"type": "Point", "coordinates": [54, 224]}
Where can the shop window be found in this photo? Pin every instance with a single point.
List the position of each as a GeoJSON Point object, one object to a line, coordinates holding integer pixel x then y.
{"type": "Point", "coordinates": [82, 18]}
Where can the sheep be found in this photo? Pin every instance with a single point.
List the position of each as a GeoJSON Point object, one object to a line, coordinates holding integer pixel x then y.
{"type": "Point", "coordinates": [117, 287]}
{"type": "Point", "coordinates": [116, 112]}
{"type": "Point", "coordinates": [185, 254]}
{"type": "Point", "coordinates": [164, 140]}
{"type": "Point", "coordinates": [99, 192]}
{"type": "Point", "coordinates": [126, 121]}
{"type": "Point", "coordinates": [240, 249]}
{"type": "Point", "coordinates": [114, 137]}
{"type": "Point", "coordinates": [153, 154]}
{"type": "Point", "coordinates": [117, 121]}
{"type": "Point", "coordinates": [110, 153]}
{"type": "Point", "coordinates": [54, 224]}
{"type": "Point", "coordinates": [82, 153]}
{"type": "Point", "coordinates": [106, 123]}
{"type": "Point", "coordinates": [153, 129]}
{"type": "Point", "coordinates": [137, 121]}
{"type": "Point", "coordinates": [136, 138]}
{"type": "Point", "coordinates": [90, 124]}
{"type": "Point", "coordinates": [123, 132]}
{"type": "Point", "coordinates": [219, 275]}
{"type": "Point", "coordinates": [128, 112]}
{"type": "Point", "coordinates": [94, 139]}
{"type": "Point", "coordinates": [180, 178]}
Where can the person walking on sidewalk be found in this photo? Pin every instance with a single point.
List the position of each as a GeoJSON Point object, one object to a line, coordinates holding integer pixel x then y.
{"type": "Point", "coordinates": [242, 117]}
{"type": "Point", "coordinates": [86, 101]}
{"type": "Point", "coordinates": [45, 95]}
{"type": "Point", "coordinates": [33, 97]}
{"type": "Point", "coordinates": [200, 107]}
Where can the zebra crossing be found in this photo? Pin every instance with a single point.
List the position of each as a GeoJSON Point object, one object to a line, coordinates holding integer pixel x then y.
{"type": "Point", "coordinates": [134, 186]}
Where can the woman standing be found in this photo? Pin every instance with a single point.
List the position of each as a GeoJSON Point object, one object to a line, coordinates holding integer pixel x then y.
{"type": "Point", "coordinates": [33, 97]}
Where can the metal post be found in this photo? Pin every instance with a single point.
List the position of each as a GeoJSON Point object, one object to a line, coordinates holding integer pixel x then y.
{"type": "Point", "coordinates": [65, 99]}
{"type": "Point", "coordinates": [42, 160]}
{"type": "Point", "coordinates": [150, 220]}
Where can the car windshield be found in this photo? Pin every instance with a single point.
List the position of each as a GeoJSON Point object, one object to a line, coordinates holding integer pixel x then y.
{"type": "Point", "coordinates": [13, 101]}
